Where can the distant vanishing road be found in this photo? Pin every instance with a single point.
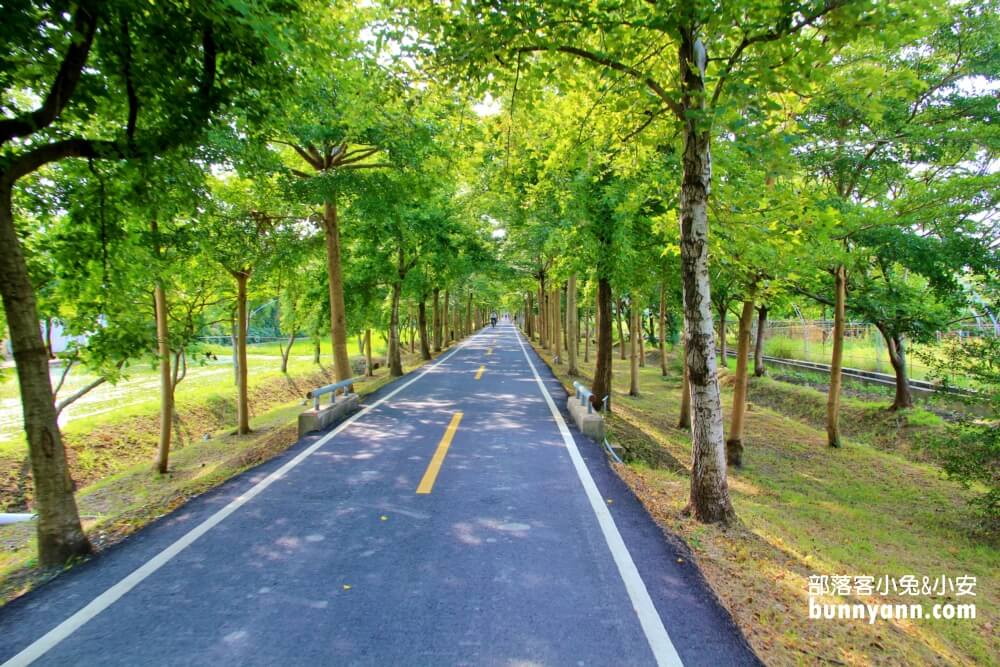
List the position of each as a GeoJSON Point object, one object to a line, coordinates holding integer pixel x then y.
{"type": "Point", "coordinates": [455, 520]}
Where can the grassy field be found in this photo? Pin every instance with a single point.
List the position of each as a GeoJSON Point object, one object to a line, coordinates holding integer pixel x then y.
{"type": "Point", "coordinates": [872, 507]}
{"type": "Point", "coordinates": [110, 457]}
{"type": "Point", "coordinates": [858, 353]}
{"type": "Point", "coordinates": [137, 393]}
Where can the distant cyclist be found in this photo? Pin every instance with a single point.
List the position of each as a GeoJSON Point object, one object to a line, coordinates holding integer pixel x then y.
{"type": "Point", "coordinates": [493, 320]}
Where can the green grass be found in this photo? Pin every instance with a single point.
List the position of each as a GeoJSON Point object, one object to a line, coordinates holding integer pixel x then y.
{"type": "Point", "coordinates": [137, 393]}
{"type": "Point", "coordinates": [117, 504]}
{"type": "Point", "coordinates": [869, 508]}
{"type": "Point", "coordinates": [864, 354]}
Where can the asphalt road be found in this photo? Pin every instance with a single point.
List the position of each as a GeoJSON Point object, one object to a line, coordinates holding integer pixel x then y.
{"type": "Point", "coordinates": [455, 520]}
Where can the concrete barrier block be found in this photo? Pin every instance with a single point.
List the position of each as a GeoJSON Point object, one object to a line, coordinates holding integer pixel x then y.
{"type": "Point", "coordinates": [591, 424]}
{"type": "Point", "coordinates": [327, 415]}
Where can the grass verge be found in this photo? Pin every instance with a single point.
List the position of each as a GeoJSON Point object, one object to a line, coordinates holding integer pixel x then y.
{"type": "Point", "coordinates": [120, 502]}
{"type": "Point", "coordinates": [866, 509]}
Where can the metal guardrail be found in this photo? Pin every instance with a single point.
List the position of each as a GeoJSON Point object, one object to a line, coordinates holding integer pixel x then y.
{"type": "Point", "coordinates": [332, 390]}
{"type": "Point", "coordinates": [584, 395]}
{"type": "Point", "coordinates": [921, 386]}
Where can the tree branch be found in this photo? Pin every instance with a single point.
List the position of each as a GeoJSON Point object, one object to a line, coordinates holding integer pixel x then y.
{"type": "Point", "coordinates": [770, 36]}
{"type": "Point", "coordinates": [28, 162]}
{"type": "Point", "coordinates": [62, 378]}
{"type": "Point", "coordinates": [599, 59]}
{"type": "Point", "coordinates": [70, 70]}
{"type": "Point", "coordinates": [133, 100]}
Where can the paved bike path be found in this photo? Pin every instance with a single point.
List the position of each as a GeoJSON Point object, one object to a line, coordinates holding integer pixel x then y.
{"type": "Point", "coordinates": [340, 561]}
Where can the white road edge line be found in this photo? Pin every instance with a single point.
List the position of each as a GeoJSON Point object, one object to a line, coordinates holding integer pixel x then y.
{"type": "Point", "coordinates": [652, 625]}
{"type": "Point", "coordinates": [53, 637]}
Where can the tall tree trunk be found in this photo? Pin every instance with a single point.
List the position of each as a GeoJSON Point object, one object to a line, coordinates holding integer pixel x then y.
{"type": "Point", "coordinates": [578, 330]}
{"type": "Point", "coordinates": [621, 331]}
{"type": "Point", "coordinates": [684, 419]}
{"type": "Point", "coordinates": [338, 321]}
{"type": "Point", "coordinates": [723, 347]}
{"type": "Point", "coordinates": [529, 318]}
{"type": "Point", "coordinates": [395, 362]}
{"type": "Point", "coordinates": [48, 338]}
{"type": "Point", "coordinates": [543, 338]}
{"type": "Point", "coordinates": [409, 322]}
{"type": "Point", "coordinates": [243, 400]}
{"type": "Point", "coordinates": [446, 318]}
{"type": "Point", "coordinates": [556, 328]}
{"type": "Point", "coordinates": [286, 352]}
{"type": "Point", "coordinates": [634, 351]}
{"type": "Point", "coordinates": [663, 330]}
{"type": "Point", "coordinates": [563, 317]}
{"type": "Point", "coordinates": [759, 369]}
{"type": "Point", "coordinates": [601, 386]}
{"type": "Point", "coordinates": [369, 362]}
{"type": "Point", "coordinates": [166, 380]}
{"type": "Point", "coordinates": [710, 500]}
{"type": "Point", "coordinates": [586, 336]}
{"type": "Point", "coordinates": [571, 324]}
{"type": "Point", "coordinates": [60, 535]}
{"type": "Point", "coordinates": [734, 445]}
{"type": "Point", "coordinates": [316, 350]}
{"type": "Point", "coordinates": [468, 315]}
{"type": "Point", "coordinates": [436, 324]}
{"type": "Point", "coordinates": [640, 331]}
{"type": "Point", "coordinates": [425, 350]}
{"type": "Point", "coordinates": [837, 362]}
{"type": "Point", "coordinates": [897, 357]}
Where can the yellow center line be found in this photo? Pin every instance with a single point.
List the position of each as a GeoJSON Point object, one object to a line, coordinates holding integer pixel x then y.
{"type": "Point", "coordinates": [479, 373]}
{"type": "Point", "coordinates": [427, 483]}
{"type": "Point", "coordinates": [489, 351]}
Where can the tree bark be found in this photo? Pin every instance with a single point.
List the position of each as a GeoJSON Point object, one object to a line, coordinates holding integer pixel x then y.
{"type": "Point", "coordinates": [640, 330]}
{"type": "Point", "coordinates": [166, 380]}
{"type": "Point", "coordinates": [759, 369]}
{"type": "Point", "coordinates": [734, 445]}
{"type": "Point", "coordinates": [723, 347]}
{"type": "Point", "coordinates": [897, 357]}
{"type": "Point", "coordinates": [684, 419]}
{"type": "Point", "coordinates": [436, 324]}
{"type": "Point", "coordinates": [468, 315]}
{"type": "Point", "coordinates": [571, 323]}
{"type": "Point", "coordinates": [543, 314]}
{"type": "Point", "coordinates": [601, 386]}
{"type": "Point", "coordinates": [529, 318]}
{"type": "Point", "coordinates": [837, 360]}
{"type": "Point", "coordinates": [556, 316]}
{"type": "Point", "coordinates": [425, 350]}
{"type": "Point", "coordinates": [586, 336]}
{"type": "Point", "coordinates": [48, 338]}
{"type": "Point", "coordinates": [621, 331]}
{"type": "Point", "coordinates": [286, 352]}
{"type": "Point", "coordinates": [369, 362]}
{"type": "Point", "coordinates": [316, 351]}
{"type": "Point", "coordinates": [710, 500]}
{"type": "Point", "coordinates": [409, 326]}
{"type": "Point", "coordinates": [634, 351]}
{"type": "Point", "coordinates": [60, 535]}
{"type": "Point", "coordinates": [446, 320]}
{"type": "Point", "coordinates": [395, 362]}
{"type": "Point", "coordinates": [338, 321]}
{"type": "Point", "coordinates": [563, 318]}
{"type": "Point", "coordinates": [243, 398]}
{"type": "Point", "coordinates": [663, 330]}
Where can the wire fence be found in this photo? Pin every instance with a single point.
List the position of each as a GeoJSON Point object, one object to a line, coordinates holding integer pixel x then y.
{"type": "Point", "coordinates": [864, 346]}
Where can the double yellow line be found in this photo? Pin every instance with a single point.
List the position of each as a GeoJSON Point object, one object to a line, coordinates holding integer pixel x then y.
{"type": "Point", "coordinates": [434, 467]}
